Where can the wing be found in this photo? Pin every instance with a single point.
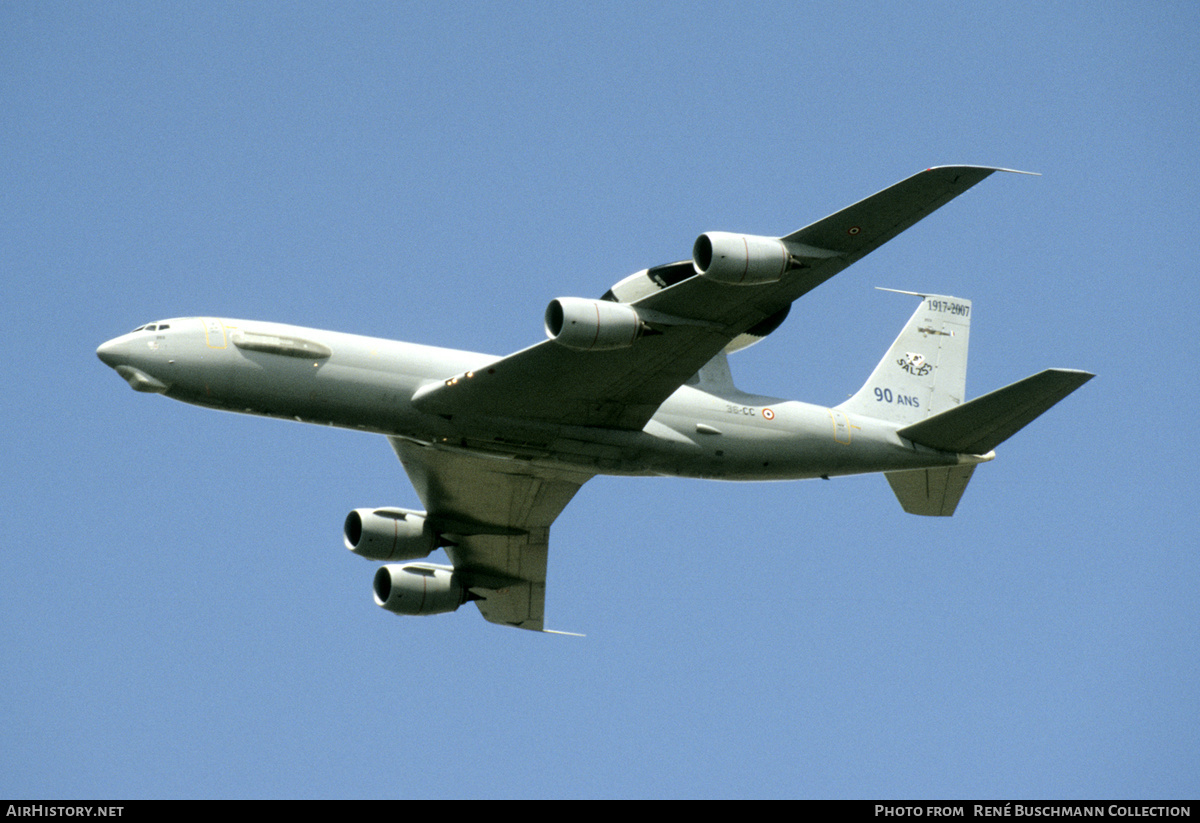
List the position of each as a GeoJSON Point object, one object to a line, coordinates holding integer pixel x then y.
{"type": "Point", "coordinates": [497, 513]}
{"type": "Point", "coordinates": [622, 388]}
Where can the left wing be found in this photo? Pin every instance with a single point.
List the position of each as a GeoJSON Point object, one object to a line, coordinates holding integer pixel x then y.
{"type": "Point", "coordinates": [693, 317]}
{"type": "Point", "coordinates": [497, 514]}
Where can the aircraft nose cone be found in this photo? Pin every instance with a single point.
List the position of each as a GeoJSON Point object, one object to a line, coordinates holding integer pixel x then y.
{"type": "Point", "coordinates": [110, 352]}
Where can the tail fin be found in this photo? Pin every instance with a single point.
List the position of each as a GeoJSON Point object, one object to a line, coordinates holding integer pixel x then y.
{"type": "Point", "coordinates": [925, 370]}
{"type": "Point", "coordinates": [921, 383]}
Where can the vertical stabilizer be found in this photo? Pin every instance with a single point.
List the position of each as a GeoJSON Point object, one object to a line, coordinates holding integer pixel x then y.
{"type": "Point", "coordinates": [925, 370]}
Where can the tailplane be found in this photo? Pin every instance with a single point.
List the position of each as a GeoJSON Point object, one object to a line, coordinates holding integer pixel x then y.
{"type": "Point", "coordinates": [920, 385]}
{"type": "Point", "coordinates": [982, 424]}
{"type": "Point", "coordinates": [976, 427]}
{"type": "Point", "coordinates": [931, 492]}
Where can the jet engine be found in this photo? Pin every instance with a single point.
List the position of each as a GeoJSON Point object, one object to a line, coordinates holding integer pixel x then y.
{"type": "Point", "coordinates": [389, 534]}
{"type": "Point", "coordinates": [586, 325]}
{"type": "Point", "coordinates": [739, 259]}
{"type": "Point", "coordinates": [420, 588]}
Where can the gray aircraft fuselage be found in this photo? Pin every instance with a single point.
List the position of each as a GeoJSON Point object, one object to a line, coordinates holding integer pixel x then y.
{"type": "Point", "coordinates": [367, 384]}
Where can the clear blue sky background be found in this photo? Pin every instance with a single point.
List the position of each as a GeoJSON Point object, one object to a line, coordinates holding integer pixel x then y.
{"type": "Point", "coordinates": [179, 617]}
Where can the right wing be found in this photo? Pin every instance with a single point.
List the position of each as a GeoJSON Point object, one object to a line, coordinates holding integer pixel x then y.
{"type": "Point", "coordinates": [622, 388]}
{"type": "Point", "coordinates": [497, 514]}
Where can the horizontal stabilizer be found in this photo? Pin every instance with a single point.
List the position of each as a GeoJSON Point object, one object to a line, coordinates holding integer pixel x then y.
{"type": "Point", "coordinates": [932, 492]}
{"type": "Point", "coordinates": [979, 425]}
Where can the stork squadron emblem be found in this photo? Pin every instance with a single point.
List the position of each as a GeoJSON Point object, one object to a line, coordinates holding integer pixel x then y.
{"type": "Point", "coordinates": [915, 364]}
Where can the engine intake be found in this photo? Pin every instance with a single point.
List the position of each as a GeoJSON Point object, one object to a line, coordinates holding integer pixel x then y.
{"type": "Point", "coordinates": [739, 259]}
{"type": "Point", "coordinates": [389, 534]}
{"type": "Point", "coordinates": [590, 325]}
{"type": "Point", "coordinates": [420, 588]}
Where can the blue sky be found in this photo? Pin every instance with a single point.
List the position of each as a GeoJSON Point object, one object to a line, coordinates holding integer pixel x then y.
{"type": "Point", "coordinates": [179, 616]}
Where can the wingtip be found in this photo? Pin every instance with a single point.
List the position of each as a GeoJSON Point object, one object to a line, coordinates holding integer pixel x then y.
{"type": "Point", "coordinates": [988, 169]}
{"type": "Point", "coordinates": [1079, 374]}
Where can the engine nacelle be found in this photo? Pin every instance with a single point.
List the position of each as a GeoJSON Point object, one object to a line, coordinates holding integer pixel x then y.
{"type": "Point", "coordinates": [587, 325]}
{"type": "Point", "coordinates": [421, 588]}
{"type": "Point", "coordinates": [389, 534]}
{"type": "Point", "coordinates": [739, 259]}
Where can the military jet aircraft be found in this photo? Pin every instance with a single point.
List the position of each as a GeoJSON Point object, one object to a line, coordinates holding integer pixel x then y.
{"type": "Point", "coordinates": [634, 383]}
